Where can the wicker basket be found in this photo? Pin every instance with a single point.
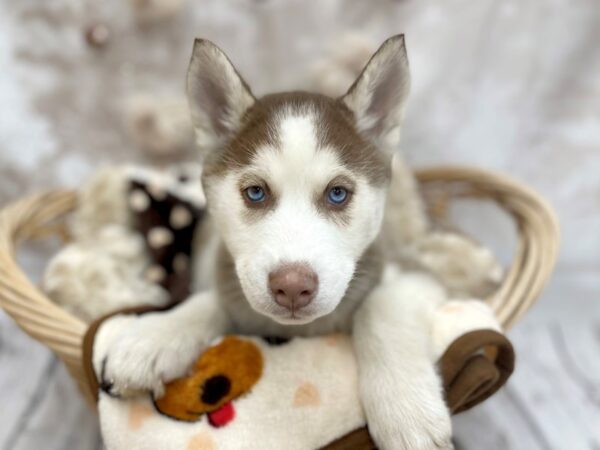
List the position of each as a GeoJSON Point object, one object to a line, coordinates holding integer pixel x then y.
{"type": "Point", "coordinates": [44, 215]}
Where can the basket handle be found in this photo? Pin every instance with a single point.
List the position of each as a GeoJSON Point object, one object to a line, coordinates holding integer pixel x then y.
{"type": "Point", "coordinates": [537, 226]}
{"type": "Point", "coordinates": [35, 217]}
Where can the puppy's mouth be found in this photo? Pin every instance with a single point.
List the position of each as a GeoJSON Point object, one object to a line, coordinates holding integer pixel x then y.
{"type": "Point", "coordinates": [294, 318]}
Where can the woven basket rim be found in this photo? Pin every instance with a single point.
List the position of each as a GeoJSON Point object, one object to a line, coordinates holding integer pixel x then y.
{"type": "Point", "coordinates": [39, 215]}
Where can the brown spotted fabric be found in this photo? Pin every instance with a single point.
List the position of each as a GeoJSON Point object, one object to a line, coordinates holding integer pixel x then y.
{"type": "Point", "coordinates": [167, 223]}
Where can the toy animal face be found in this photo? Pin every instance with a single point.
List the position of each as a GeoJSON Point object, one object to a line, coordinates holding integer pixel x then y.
{"type": "Point", "coordinates": [296, 182]}
{"type": "Point", "coordinates": [221, 374]}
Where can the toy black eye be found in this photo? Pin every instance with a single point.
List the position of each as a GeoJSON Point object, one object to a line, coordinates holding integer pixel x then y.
{"type": "Point", "coordinates": [337, 195]}
{"type": "Point", "coordinates": [214, 389]}
{"type": "Point", "coordinates": [255, 194]}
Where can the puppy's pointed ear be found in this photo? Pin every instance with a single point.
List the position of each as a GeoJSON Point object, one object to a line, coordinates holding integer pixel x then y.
{"type": "Point", "coordinates": [378, 96]}
{"type": "Point", "coordinates": [217, 95]}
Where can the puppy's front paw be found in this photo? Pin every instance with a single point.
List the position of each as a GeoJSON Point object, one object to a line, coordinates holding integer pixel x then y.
{"type": "Point", "coordinates": [151, 351]}
{"type": "Point", "coordinates": [420, 421]}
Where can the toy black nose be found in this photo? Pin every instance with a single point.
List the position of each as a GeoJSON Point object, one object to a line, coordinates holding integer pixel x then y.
{"type": "Point", "coordinates": [214, 389]}
{"type": "Point", "coordinates": [293, 286]}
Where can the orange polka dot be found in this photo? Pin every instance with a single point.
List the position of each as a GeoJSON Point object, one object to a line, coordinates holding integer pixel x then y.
{"type": "Point", "coordinates": [333, 339]}
{"type": "Point", "coordinates": [201, 441]}
{"type": "Point", "coordinates": [138, 413]}
{"type": "Point", "coordinates": [452, 308]}
{"type": "Point", "coordinates": [307, 394]}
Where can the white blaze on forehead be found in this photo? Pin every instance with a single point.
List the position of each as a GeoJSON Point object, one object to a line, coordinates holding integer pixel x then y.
{"type": "Point", "coordinates": [298, 137]}
{"type": "Point", "coordinates": [297, 161]}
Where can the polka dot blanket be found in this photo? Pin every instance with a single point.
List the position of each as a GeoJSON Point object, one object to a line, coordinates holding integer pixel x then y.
{"type": "Point", "coordinates": [275, 393]}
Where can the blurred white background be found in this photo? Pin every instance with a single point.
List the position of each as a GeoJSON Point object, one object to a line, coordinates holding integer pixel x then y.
{"type": "Point", "coordinates": [512, 86]}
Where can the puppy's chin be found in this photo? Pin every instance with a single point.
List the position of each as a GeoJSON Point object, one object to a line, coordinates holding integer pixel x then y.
{"type": "Point", "coordinates": [301, 317]}
{"type": "Point", "coordinates": [284, 317]}
{"type": "Point", "coordinates": [292, 320]}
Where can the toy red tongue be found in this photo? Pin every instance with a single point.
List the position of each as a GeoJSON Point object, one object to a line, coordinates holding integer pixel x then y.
{"type": "Point", "coordinates": [222, 416]}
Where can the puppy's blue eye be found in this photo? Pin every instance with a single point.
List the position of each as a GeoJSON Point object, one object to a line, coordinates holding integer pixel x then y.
{"type": "Point", "coordinates": [255, 194]}
{"type": "Point", "coordinates": [337, 195]}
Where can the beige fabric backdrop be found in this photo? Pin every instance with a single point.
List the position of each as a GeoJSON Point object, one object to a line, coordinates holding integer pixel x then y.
{"type": "Point", "coordinates": [509, 85]}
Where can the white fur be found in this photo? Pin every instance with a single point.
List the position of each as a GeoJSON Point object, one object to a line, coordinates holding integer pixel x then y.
{"type": "Point", "coordinates": [400, 390]}
{"type": "Point", "coordinates": [463, 266]}
{"type": "Point", "coordinates": [297, 172]}
{"type": "Point", "coordinates": [101, 201]}
{"type": "Point", "coordinates": [457, 317]}
{"type": "Point", "coordinates": [102, 269]}
{"type": "Point", "coordinates": [172, 341]}
{"type": "Point", "coordinates": [336, 408]}
{"type": "Point", "coordinates": [95, 276]}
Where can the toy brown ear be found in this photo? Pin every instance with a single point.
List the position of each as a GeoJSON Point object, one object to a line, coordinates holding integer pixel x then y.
{"type": "Point", "coordinates": [221, 374]}
{"type": "Point", "coordinates": [474, 367]}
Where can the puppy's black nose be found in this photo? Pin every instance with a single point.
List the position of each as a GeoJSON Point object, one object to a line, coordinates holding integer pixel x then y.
{"type": "Point", "coordinates": [214, 389]}
{"type": "Point", "coordinates": [293, 286]}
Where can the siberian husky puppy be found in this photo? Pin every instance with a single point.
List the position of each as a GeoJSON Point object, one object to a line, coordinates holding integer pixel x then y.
{"type": "Point", "coordinates": [296, 187]}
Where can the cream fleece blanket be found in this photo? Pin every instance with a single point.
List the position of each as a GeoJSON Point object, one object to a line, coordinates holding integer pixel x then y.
{"type": "Point", "coordinates": [298, 394]}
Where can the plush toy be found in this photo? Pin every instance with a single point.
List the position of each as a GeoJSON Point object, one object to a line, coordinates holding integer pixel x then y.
{"type": "Point", "coordinates": [131, 241]}
{"type": "Point", "coordinates": [221, 374]}
{"type": "Point", "coordinates": [268, 392]}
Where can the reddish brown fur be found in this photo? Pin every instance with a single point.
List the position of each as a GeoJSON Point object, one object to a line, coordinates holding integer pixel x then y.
{"type": "Point", "coordinates": [335, 129]}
